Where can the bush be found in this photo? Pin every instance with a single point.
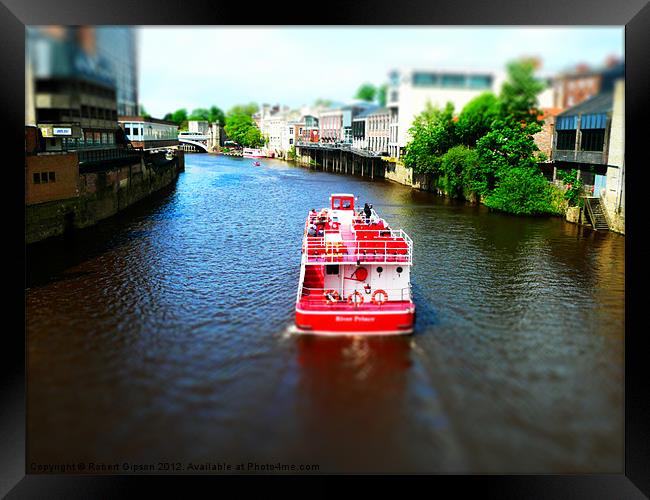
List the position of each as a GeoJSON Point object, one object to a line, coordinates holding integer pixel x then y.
{"type": "Point", "coordinates": [523, 191]}
{"type": "Point", "coordinates": [455, 168]}
{"type": "Point", "coordinates": [573, 193]}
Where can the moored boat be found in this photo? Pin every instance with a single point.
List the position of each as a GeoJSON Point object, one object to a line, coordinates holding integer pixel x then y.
{"type": "Point", "coordinates": [355, 273]}
{"type": "Point", "coordinates": [253, 153]}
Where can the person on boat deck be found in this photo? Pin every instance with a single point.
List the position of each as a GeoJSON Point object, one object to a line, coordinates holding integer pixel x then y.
{"type": "Point", "coordinates": [312, 230]}
{"type": "Point", "coordinates": [367, 211]}
{"type": "Point", "coordinates": [321, 232]}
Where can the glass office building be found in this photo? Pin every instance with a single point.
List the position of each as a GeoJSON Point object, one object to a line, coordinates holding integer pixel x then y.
{"type": "Point", "coordinates": [83, 77]}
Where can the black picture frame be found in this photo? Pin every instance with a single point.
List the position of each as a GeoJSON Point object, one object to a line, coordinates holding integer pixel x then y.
{"type": "Point", "coordinates": [633, 482]}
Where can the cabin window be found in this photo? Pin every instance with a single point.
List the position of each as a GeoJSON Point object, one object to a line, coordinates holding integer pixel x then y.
{"type": "Point", "coordinates": [336, 203]}
{"type": "Point", "coordinates": [332, 269]}
{"type": "Point", "coordinates": [346, 204]}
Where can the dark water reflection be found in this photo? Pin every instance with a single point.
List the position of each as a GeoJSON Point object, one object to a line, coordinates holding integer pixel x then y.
{"type": "Point", "coordinates": [162, 334]}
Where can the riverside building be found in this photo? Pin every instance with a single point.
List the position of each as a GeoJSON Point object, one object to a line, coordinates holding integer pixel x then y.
{"type": "Point", "coordinates": [81, 78]}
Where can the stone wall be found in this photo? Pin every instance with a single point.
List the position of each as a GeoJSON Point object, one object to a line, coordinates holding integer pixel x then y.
{"type": "Point", "coordinates": [398, 173]}
{"type": "Point", "coordinates": [102, 193]}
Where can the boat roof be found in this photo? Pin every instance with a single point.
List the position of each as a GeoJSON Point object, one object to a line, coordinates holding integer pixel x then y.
{"type": "Point", "coordinates": [341, 194]}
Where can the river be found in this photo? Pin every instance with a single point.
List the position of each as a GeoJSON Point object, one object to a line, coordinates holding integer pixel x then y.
{"type": "Point", "coordinates": [164, 335]}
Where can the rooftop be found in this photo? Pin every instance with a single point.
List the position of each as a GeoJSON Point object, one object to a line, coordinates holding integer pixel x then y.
{"type": "Point", "coordinates": [600, 103]}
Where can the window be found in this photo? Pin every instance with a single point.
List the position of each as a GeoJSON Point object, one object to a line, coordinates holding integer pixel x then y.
{"type": "Point", "coordinates": [346, 204]}
{"type": "Point", "coordinates": [37, 178]}
{"type": "Point", "coordinates": [592, 139]}
{"type": "Point", "coordinates": [43, 177]}
{"type": "Point", "coordinates": [336, 204]}
{"type": "Point", "coordinates": [290, 130]}
{"type": "Point", "coordinates": [566, 140]}
{"type": "Point", "coordinates": [453, 80]}
{"type": "Point", "coordinates": [51, 176]}
{"type": "Point", "coordinates": [290, 141]}
{"type": "Point", "coordinates": [127, 130]}
{"type": "Point", "coordinates": [425, 79]}
{"type": "Point", "coordinates": [479, 81]}
{"type": "Point", "coordinates": [332, 269]}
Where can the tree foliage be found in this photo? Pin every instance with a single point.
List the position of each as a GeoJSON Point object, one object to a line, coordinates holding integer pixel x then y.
{"type": "Point", "coordinates": [489, 149]}
{"type": "Point", "coordinates": [477, 117]}
{"type": "Point", "coordinates": [433, 133]}
{"type": "Point", "coordinates": [242, 129]}
{"type": "Point", "coordinates": [366, 92]}
{"type": "Point", "coordinates": [179, 116]}
{"type": "Point", "coordinates": [244, 109]}
{"type": "Point", "coordinates": [216, 115]}
{"type": "Point", "coordinates": [573, 185]}
{"type": "Point", "coordinates": [522, 191]}
{"type": "Point", "coordinates": [518, 99]}
{"type": "Point", "coordinates": [456, 168]}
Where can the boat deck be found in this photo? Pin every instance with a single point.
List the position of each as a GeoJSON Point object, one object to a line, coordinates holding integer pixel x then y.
{"type": "Point", "coordinates": [360, 243]}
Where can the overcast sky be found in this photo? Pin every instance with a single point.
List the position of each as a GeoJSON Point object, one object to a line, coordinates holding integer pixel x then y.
{"type": "Point", "coordinates": [198, 67]}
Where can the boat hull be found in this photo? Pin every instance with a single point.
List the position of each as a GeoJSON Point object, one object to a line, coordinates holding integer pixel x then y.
{"type": "Point", "coordinates": [355, 322]}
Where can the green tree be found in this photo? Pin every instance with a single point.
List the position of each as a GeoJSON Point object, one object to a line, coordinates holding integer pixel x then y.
{"type": "Point", "coordinates": [322, 102]}
{"type": "Point", "coordinates": [433, 133]}
{"type": "Point", "coordinates": [476, 118]}
{"type": "Point", "coordinates": [456, 168]}
{"type": "Point", "coordinates": [216, 115]}
{"type": "Point", "coordinates": [518, 97]}
{"type": "Point", "coordinates": [366, 92]}
{"type": "Point", "coordinates": [244, 109]}
{"type": "Point", "coordinates": [508, 145]}
{"type": "Point", "coordinates": [179, 116]}
{"type": "Point", "coordinates": [508, 175]}
{"type": "Point", "coordinates": [241, 129]}
{"type": "Point", "coordinates": [523, 191]}
{"type": "Point", "coordinates": [201, 114]}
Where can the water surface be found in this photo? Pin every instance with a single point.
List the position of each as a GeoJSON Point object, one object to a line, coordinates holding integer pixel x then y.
{"type": "Point", "coordinates": [163, 334]}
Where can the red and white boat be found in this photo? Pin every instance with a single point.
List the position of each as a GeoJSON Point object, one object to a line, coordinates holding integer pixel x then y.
{"type": "Point", "coordinates": [355, 274]}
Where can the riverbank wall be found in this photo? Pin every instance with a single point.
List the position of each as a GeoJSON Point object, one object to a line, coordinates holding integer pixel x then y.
{"type": "Point", "coordinates": [67, 197]}
{"type": "Point", "coordinates": [338, 160]}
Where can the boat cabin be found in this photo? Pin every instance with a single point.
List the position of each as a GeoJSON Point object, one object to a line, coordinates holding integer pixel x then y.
{"type": "Point", "coordinates": [342, 201]}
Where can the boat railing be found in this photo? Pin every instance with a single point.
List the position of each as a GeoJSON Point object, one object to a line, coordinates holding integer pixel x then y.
{"type": "Point", "coordinates": [339, 296]}
{"type": "Point", "coordinates": [394, 246]}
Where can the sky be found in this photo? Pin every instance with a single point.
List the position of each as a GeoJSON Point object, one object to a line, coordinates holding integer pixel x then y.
{"type": "Point", "coordinates": [192, 67]}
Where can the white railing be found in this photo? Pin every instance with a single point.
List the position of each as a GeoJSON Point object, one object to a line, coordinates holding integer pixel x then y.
{"type": "Point", "coordinates": [376, 244]}
{"type": "Point", "coordinates": [317, 296]}
{"type": "Point", "coordinates": [391, 250]}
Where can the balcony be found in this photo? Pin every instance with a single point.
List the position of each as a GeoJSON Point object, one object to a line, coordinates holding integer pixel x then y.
{"type": "Point", "coordinates": [593, 157]}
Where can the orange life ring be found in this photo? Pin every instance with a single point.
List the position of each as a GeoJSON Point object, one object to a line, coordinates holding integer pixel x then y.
{"type": "Point", "coordinates": [374, 297]}
{"type": "Point", "coordinates": [358, 302]}
{"type": "Point", "coordinates": [331, 296]}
